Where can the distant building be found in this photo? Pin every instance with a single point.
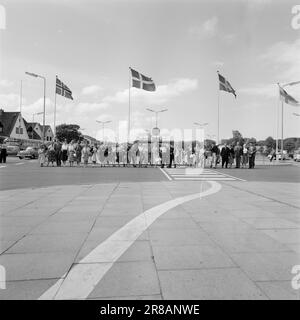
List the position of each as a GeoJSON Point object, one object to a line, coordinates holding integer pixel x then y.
{"type": "Point", "coordinates": [90, 139]}
{"type": "Point", "coordinates": [34, 130]}
{"type": "Point", "coordinates": [49, 135]}
{"type": "Point", "coordinates": [12, 125]}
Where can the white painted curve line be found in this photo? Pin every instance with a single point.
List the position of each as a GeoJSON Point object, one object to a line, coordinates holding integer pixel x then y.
{"type": "Point", "coordinates": [165, 173]}
{"type": "Point", "coordinates": [18, 164]}
{"type": "Point", "coordinates": [2, 166]}
{"type": "Point", "coordinates": [83, 277]}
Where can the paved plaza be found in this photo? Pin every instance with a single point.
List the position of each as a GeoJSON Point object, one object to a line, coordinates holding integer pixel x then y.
{"type": "Point", "coordinates": [134, 233]}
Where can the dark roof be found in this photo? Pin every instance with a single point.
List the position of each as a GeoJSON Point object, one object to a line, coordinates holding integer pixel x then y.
{"type": "Point", "coordinates": [46, 127]}
{"type": "Point", "coordinates": [8, 120]}
{"type": "Point", "coordinates": [30, 131]}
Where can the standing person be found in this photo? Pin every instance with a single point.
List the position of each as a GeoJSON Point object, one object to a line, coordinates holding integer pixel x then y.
{"type": "Point", "coordinates": [71, 153]}
{"type": "Point", "coordinates": [78, 153]}
{"type": "Point", "coordinates": [57, 149]}
{"type": "Point", "coordinates": [238, 152]}
{"type": "Point", "coordinates": [245, 156]}
{"type": "Point", "coordinates": [225, 155]}
{"type": "Point", "coordinates": [273, 155]}
{"type": "Point", "coordinates": [85, 154]}
{"type": "Point", "coordinates": [172, 157]}
{"type": "Point", "coordinates": [64, 152]}
{"type": "Point", "coordinates": [252, 152]}
{"type": "Point", "coordinates": [3, 153]}
{"type": "Point", "coordinates": [231, 156]}
{"type": "Point", "coordinates": [51, 154]}
{"type": "Point", "coordinates": [94, 154]}
{"type": "Point", "coordinates": [42, 155]}
{"type": "Point", "coordinates": [215, 153]}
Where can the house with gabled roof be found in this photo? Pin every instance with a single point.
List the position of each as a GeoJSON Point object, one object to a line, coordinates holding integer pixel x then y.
{"type": "Point", "coordinates": [12, 125]}
{"type": "Point", "coordinates": [34, 130]}
{"type": "Point", "coordinates": [49, 136]}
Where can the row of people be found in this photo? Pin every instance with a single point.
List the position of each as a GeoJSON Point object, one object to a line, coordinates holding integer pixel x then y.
{"type": "Point", "coordinates": [139, 154]}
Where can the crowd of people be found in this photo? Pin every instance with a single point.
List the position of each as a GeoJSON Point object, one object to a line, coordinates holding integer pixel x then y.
{"type": "Point", "coordinates": [142, 154]}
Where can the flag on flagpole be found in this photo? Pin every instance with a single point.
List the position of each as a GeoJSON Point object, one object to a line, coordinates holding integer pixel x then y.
{"type": "Point", "coordinates": [142, 82]}
{"type": "Point", "coordinates": [225, 85]}
{"type": "Point", "coordinates": [63, 90]}
{"type": "Point", "coordinates": [291, 84]}
{"type": "Point", "coordinates": [288, 98]}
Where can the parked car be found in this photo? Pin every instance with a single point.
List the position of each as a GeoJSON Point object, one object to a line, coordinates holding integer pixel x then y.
{"type": "Point", "coordinates": [285, 156]}
{"type": "Point", "coordinates": [12, 150]}
{"type": "Point", "coordinates": [296, 156]}
{"type": "Point", "coordinates": [30, 152]}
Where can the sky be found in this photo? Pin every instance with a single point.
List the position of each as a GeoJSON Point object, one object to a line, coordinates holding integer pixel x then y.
{"type": "Point", "coordinates": [91, 44]}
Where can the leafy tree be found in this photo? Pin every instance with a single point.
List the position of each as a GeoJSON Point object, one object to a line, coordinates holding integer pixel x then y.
{"type": "Point", "coordinates": [68, 131]}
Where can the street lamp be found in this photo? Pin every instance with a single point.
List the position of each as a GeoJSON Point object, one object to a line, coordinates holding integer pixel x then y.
{"type": "Point", "coordinates": [156, 114]}
{"type": "Point", "coordinates": [201, 124]}
{"type": "Point", "coordinates": [103, 124]}
{"type": "Point", "coordinates": [34, 114]}
{"type": "Point", "coordinates": [38, 76]}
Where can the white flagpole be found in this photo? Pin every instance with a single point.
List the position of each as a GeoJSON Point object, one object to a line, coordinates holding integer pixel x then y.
{"type": "Point", "coordinates": [128, 134]}
{"type": "Point", "coordinates": [218, 109]}
{"type": "Point", "coordinates": [277, 127]}
{"type": "Point", "coordinates": [54, 123]}
{"type": "Point", "coordinates": [281, 129]}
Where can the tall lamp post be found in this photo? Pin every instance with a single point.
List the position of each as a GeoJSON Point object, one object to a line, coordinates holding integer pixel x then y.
{"type": "Point", "coordinates": [103, 123]}
{"type": "Point", "coordinates": [34, 114]}
{"type": "Point", "coordinates": [39, 76]}
{"type": "Point", "coordinates": [201, 125]}
{"type": "Point", "coordinates": [156, 114]}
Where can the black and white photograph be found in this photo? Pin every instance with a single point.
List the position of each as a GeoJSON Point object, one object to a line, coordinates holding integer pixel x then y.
{"type": "Point", "coordinates": [149, 151]}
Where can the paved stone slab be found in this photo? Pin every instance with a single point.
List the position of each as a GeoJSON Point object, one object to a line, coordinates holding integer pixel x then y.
{"type": "Point", "coordinates": [25, 290]}
{"type": "Point", "coordinates": [284, 236]}
{"type": "Point", "coordinates": [190, 257]}
{"type": "Point", "coordinates": [63, 227]}
{"type": "Point", "coordinates": [141, 279]}
{"type": "Point", "coordinates": [29, 266]}
{"type": "Point", "coordinates": [208, 284]}
{"type": "Point", "coordinates": [178, 237]}
{"type": "Point", "coordinates": [173, 224]}
{"type": "Point", "coordinates": [254, 241]}
{"type": "Point", "coordinates": [24, 212]}
{"type": "Point", "coordinates": [271, 223]}
{"type": "Point", "coordinates": [279, 290]}
{"type": "Point", "coordinates": [139, 251]}
{"type": "Point", "coordinates": [267, 266]}
{"type": "Point", "coordinates": [49, 243]}
{"type": "Point", "coordinates": [227, 226]}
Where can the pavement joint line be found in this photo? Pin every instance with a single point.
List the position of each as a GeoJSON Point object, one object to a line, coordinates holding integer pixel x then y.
{"type": "Point", "coordinates": [43, 221]}
{"type": "Point", "coordinates": [166, 174]}
{"type": "Point", "coordinates": [263, 196]}
{"type": "Point", "coordinates": [81, 280]}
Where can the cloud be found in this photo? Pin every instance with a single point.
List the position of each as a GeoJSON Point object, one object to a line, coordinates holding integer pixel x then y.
{"type": "Point", "coordinates": [206, 30]}
{"type": "Point", "coordinates": [265, 90]}
{"type": "Point", "coordinates": [91, 90]}
{"type": "Point", "coordinates": [284, 58]}
{"type": "Point", "coordinates": [218, 63]}
{"type": "Point", "coordinates": [162, 94]}
{"type": "Point", "coordinates": [10, 100]}
{"type": "Point", "coordinates": [6, 83]}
